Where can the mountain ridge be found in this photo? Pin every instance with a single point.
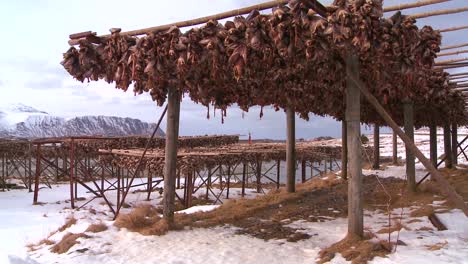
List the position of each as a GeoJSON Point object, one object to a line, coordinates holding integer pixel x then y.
{"type": "Point", "coordinates": [23, 121]}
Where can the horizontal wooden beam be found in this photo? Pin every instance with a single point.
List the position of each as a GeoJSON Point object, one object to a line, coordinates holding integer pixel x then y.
{"type": "Point", "coordinates": [458, 79]}
{"type": "Point", "coordinates": [453, 29]}
{"type": "Point", "coordinates": [454, 46]}
{"type": "Point", "coordinates": [448, 62]}
{"type": "Point", "coordinates": [458, 74]}
{"type": "Point", "coordinates": [440, 12]}
{"type": "Point", "coordinates": [451, 53]}
{"type": "Point", "coordinates": [237, 12]}
{"type": "Point", "coordinates": [197, 21]}
{"type": "Point", "coordinates": [413, 5]}
{"type": "Point", "coordinates": [452, 66]}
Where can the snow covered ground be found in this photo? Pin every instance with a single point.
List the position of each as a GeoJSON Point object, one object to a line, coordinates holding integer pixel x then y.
{"type": "Point", "coordinates": [21, 223]}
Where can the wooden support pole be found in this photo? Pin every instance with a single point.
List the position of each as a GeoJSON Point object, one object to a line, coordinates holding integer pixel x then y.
{"type": "Point", "coordinates": [72, 172]}
{"type": "Point", "coordinates": [454, 143]}
{"type": "Point", "coordinates": [259, 175]}
{"type": "Point", "coordinates": [344, 151]}
{"type": "Point", "coordinates": [278, 171]}
{"type": "Point", "coordinates": [244, 171]}
{"type": "Point", "coordinates": [228, 186]}
{"type": "Point", "coordinates": [353, 110]}
{"type": "Point", "coordinates": [433, 144]}
{"type": "Point", "coordinates": [376, 164]}
{"type": "Point", "coordinates": [445, 186]}
{"type": "Point", "coordinates": [38, 172]}
{"type": "Point", "coordinates": [119, 187]}
{"type": "Point", "coordinates": [150, 185]}
{"type": "Point", "coordinates": [290, 150]}
{"type": "Point", "coordinates": [170, 163]}
{"type": "Point", "coordinates": [303, 171]}
{"type": "Point", "coordinates": [188, 188]}
{"type": "Point", "coordinates": [408, 113]}
{"type": "Point", "coordinates": [395, 148]}
{"type": "Point", "coordinates": [447, 146]}
{"type": "Point", "coordinates": [208, 183]}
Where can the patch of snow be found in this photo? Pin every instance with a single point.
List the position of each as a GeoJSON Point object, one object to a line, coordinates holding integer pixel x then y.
{"type": "Point", "coordinates": [198, 208]}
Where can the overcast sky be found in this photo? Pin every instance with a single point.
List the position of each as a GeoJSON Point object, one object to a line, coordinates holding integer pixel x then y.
{"type": "Point", "coordinates": [35, 34]}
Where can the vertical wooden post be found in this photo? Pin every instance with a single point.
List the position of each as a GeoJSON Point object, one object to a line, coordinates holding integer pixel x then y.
{"type": "Point", "coordinates": [72, 172]}
{"type": "Point", "coordinates": [244, 171]}
{"type": "Point", "coordinates": [259, 175]}
{"type": "Point", "coordinates": [170, 162]}
{"type": "Point", "coordinates": [433, 144]}
{"type": "Point", "coordinates": [409, 131]}
{"type": "Point", "coordinates": [208, 183]}
{"type": "Point", "coordinates": [395, 148]}
{"type": "Point", "coordinates": [344, 150]}
{"type": "Point", "coordinates": [353, 110]}
{"type": "Point", "coordinates": [303, 170]}
{"type": "Point", "coordinates": [454, 143]}
{"type": "Point", "coordinates": [178, 179]}
{"type": "Point", "coordinates": [290, 150]}
{"type": "Point", "coordinates": [376, 164]}
{"type": "Point", "coordinates": [119, 188]}
{"type": "Point", "coordinates": [278, 171]}
{"type": "Point", "coordinates": [188, 188]}
{"type": "Point", "coordinates": [447, 146]}
{"type": "Point", "coordinates": [228, 180]}
{"type": "Point", "coordinates": [150, 185]}
{"type": "Point", "coordinates": [38, 172]}
{"type": "Point", "coordinates": [30, 167]}
{"type": "Point", "coordinates": [443, 183]}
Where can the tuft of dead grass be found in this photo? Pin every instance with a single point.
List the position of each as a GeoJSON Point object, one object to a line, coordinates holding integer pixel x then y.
{"type": "Point", "coordinates": [96, 228]}
{"type": "Point", "coordinates": [69, 222]}
{"type": "Point", "coordinates": [68, 241]}
{"type": "Point", "coordinates": [437, 246]}
{"type": "Point", "coordinates": [143, 219]}
{"type": "Point", "coordinates": [358, 251]}
{"type": "Point", "coordinates": [397, 227]}
{"type": "Point", "coordinates": [424, 210]}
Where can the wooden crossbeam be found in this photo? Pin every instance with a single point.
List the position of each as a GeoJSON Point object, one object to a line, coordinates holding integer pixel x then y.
{"type": "Point", "coordinates": [316, 6]}
{"type": "Point", "coordinates": [452, 29]}
{"type": "Point", "coordinates": [454, 46]}
{"type": "Point", "coordinates": [413, 5]}
{"type": "Point", "coordinates": [452, 53]}
{"type": "Point", "coordinates": [74, 38]}
{"type": "Point", "coordinates": [458, 74]}
{"type": "Point", "coordinates": [449, 62]}
{"type": "Point", "coordinates": [440, 12]}
{"type": "Point", "coordinates": [197, 21]}
{"type": "Point", "coordinates": [452, 65]}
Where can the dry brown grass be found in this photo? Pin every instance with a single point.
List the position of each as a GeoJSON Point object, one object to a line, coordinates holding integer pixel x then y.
{"type": "Point", "coordinates": [143, 219]}
{"type": "Point", "coordinates": [356, 250]}
{"type": "Point", "coordinates": [68, 241]}
{"type": "Point", "coordinates": [96, 228]}
{"type": "Point", "coordinates": [34, 246]}
{"type": "Point", "coordinates": [437, 246]}
{"type": "Point", "coordinates": [69, 222]}
{"type": "Point", "coordinates": [397, 227]}
{"type": "Point", "coordinates": [425, 228]}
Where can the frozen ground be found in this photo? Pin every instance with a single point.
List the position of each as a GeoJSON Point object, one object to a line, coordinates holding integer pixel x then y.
{"type": "Point", "coordinates": [22, 223]}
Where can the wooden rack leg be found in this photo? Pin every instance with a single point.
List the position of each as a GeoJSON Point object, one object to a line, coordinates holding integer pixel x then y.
{"type": "Point", "coordinates": [244, 171]}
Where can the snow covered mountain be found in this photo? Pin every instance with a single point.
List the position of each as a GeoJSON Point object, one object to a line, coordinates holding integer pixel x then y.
{"type": "Point", "coordinates": [20, 120]}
